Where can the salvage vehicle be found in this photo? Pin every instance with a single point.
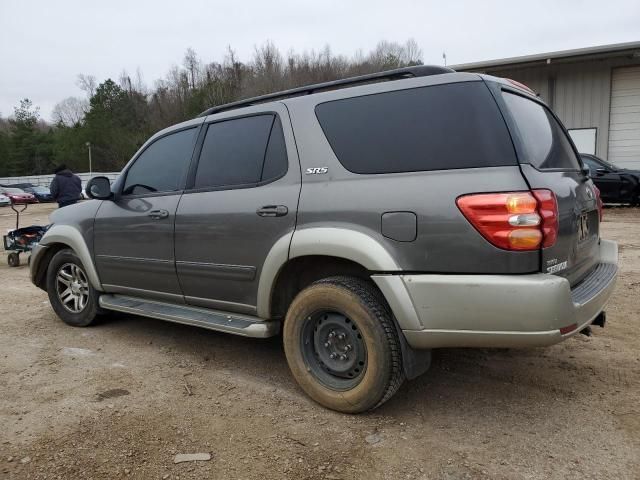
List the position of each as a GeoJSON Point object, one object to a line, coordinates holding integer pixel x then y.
{"type": "Point", "coordinates": [370, 220]}
{"type": "Point", "coordinates": [18, 196]}
{"type": "Point", "coordinates": [616, 185]}
{"type": "Point", "coordinates": [42, 194]}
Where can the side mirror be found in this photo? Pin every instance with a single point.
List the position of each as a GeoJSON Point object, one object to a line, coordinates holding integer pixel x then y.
{"type": "Point", "coordinates": [99, 188]}
{"type": "Point", "coordinates": [586, 171]}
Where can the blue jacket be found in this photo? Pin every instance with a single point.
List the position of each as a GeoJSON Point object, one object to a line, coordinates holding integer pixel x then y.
{"type": "Point", "coordinates": [66, 187]}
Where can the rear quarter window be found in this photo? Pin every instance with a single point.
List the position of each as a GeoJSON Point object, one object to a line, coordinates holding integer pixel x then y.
{"type": "Point", "coordinates": [438, 127]}
{"type": "Point", "coordinates": [543, 140]}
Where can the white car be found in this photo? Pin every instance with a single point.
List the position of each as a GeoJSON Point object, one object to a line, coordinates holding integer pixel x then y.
{"type": "Point", "coordinates": [4, 200]}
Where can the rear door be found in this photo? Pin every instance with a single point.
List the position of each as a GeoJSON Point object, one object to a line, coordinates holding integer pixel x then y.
{"type": "Point", "coordinates": [548, 160]}
{"type": "Point", "coordinates": [242, 198]}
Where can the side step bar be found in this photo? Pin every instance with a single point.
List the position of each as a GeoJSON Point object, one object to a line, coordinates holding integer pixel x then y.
{"type": "Point", "coordinates": [235, 323]}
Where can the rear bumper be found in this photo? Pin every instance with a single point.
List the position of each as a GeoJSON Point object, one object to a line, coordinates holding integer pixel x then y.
{"type": "Point", "coordinates": [499, 310]}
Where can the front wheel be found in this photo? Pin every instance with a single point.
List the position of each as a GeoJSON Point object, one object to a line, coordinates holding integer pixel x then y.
{"type": "Point", "coordinates": [71, 295]}
{"type": "Point", "coordinates": [342, 346]}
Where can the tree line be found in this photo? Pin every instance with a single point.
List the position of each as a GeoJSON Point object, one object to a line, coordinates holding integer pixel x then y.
{"type": "Point", "coordinates": [117, 116]}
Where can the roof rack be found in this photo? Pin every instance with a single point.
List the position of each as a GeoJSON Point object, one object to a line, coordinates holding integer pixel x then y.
{"type": "Point", "coordinates": [399, 73]}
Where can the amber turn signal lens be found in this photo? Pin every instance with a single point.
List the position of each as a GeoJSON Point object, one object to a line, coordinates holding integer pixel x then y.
{"type": "Point", "coordinates": [521, 203]}
{"type": "Point", "coordinates": [525, 239]}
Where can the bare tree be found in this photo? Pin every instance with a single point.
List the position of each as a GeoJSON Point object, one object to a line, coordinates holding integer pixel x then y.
{"type": "Point", "coordinates": [70, 111]}
{"type": "Point", "coordinates": [87, 83]}
{"type": "Point", "coordinates": [192, 65]}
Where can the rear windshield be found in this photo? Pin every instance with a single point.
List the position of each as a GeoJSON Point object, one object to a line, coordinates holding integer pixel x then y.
{"type": "Point", "coordinates": [429, 128]}
{"type": "Point", "coordinates": [544, 143]}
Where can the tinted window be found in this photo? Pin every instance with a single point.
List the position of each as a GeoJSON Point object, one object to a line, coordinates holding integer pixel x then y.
{"type": "Point", "coordinates": [275, 160]}
{"type": "Point", "coordinates": [592, 164]}
{"type": "Point", "coordinates": [544, 142]}
{"type": "Point", "coordinates": [233, 152]}
{"type": "Point", "coordinates": [161, 167]}
{"type": "Point", "coordinates": [429, 128]}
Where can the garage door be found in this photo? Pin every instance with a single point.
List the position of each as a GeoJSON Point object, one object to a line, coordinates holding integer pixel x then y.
{"type": "Point", "coordinates": [624, 125]}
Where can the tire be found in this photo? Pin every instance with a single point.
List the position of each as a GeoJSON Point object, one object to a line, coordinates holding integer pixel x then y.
{"type": "Point", "coordinates": [13, 259]}
{"type": "Point", "coordinates": [77, 312]}
{"type": "Point", "coordinates": [356, 313]}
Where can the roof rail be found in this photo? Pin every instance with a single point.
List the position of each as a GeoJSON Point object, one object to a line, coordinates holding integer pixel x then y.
{"type": "Point", "coordinates": [399, 73]}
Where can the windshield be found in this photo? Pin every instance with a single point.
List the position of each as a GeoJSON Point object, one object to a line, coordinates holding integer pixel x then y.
{"type": "Point", "coordinates": [595, 159]}
{"type": "Point", "coordinates": [40, 189]}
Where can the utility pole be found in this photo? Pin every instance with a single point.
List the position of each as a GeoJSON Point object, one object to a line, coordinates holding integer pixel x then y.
{"type": "Point", "coordinates": [88, 144]}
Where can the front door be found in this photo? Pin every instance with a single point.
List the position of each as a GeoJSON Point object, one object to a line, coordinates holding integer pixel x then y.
{"type": "Point", "coordinates": [134, 233]}
{"type": "Point", "coordinates": [242, 199]}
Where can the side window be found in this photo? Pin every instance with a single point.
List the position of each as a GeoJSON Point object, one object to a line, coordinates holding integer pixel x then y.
{"type": "Point", "coordinates": [428, 128]}
{"type": "Point", "coordinates": [593, 166]}
{"type": "Point", "coordinates": [544, 142]}
{"type": "Point", "coordinates": [162, 166]}
{"type": "Point", "coordinates": [275, 160]}
{"type": "Point", "coordinates": [239, 152]}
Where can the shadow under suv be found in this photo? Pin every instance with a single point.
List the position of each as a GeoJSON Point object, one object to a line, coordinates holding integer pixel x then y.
{"type": "Point", "coordinates": [369, 222]}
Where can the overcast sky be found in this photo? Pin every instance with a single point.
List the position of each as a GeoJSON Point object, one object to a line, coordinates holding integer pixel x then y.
{"type": "Point", "coordinates": [44, 44]}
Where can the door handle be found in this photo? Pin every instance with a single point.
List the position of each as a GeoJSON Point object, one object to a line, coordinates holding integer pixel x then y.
{"type": "Point", "coordinates": [272, 211]}
{"type": "Point", "coordinates": [158, 214]}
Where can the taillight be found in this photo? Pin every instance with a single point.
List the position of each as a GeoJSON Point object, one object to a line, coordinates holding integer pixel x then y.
{"type": "Point", "coordinates": [513, 220]}
{"type": "Point", "coordinates": [548, 209]}
{"type": "Point", "coordinates": [600, 205]}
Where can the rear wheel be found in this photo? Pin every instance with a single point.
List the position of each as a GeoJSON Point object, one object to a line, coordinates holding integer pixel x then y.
{"type": "Point", "coordinates": [342, 346]}
{"type": "Point", "coordinates": [71, 295]}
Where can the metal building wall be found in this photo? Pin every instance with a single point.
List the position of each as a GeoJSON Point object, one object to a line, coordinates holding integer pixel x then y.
{"type": "Point", "coordinates": [578, 91]}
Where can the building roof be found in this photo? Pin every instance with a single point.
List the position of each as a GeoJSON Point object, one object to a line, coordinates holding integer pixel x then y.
{"type": "Point", "coordinates": [577, 54]}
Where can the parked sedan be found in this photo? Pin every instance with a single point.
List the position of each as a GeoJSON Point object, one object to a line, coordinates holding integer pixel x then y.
{"type": "Point", "coordinates": [43, 194]}
{"type": "Point", "coordinates": [617, 185]}
{"type": "Point", "coordinates": [4, 200]}
{"type": "Point", "coordinates": [17, 196]}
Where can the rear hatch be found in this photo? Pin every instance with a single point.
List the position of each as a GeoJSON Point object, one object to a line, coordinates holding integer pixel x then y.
{"type": "Point", "coordinates": [548, 160]}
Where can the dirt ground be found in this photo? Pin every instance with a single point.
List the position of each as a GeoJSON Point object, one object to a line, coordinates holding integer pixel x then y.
{"type": "Point", "coordinates": [121, 399]}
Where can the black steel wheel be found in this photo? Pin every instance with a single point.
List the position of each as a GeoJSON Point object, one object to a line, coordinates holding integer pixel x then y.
{"type": "Point", "coordinates": [342, 345]}
{"type": "Point", "coordinates": [334, 349]}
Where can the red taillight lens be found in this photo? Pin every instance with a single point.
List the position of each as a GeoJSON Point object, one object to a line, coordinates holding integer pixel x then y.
{"type": "Point", "coordinates": [548, 209]}
{"type": "Point", "coordinates": [600, 205]}
{"type": "Point", "coordinates": [513, 220]}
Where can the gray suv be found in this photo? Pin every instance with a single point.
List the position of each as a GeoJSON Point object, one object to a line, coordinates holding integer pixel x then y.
{"type": "Point", "coordinates": [370, 220]}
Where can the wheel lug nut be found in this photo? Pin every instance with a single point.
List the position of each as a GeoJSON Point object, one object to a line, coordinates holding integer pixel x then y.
{"type": "Point", "coordinates": [326, 345]}
{"type": "Point", "coordinates": [331, 334]}
{"type": "Point", "coordinates": [333, 356]}
{"type": "Point", "coordinates": [347, 348]}
{"type": "Point", "coordinates": [343, 357]}
{"type": "Point", "coordinates": [341, 336]}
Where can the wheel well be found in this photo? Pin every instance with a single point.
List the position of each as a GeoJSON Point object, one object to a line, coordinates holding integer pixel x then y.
{"type": "Point", "coordinates": [298, 273]}
{"type": "Point", "coordinates": [40, 277]}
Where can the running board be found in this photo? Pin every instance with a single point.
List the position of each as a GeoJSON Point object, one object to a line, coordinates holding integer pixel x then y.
{"type": "Point", "coordinates": [235, 323]}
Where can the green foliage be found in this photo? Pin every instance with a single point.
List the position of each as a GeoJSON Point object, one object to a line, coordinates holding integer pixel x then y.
{"type": "Point", "coordinates": [121, 116]}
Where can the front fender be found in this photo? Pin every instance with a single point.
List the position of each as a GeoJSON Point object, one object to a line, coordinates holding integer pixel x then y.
{"type": "Point", "coordinates": [72, 238]}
